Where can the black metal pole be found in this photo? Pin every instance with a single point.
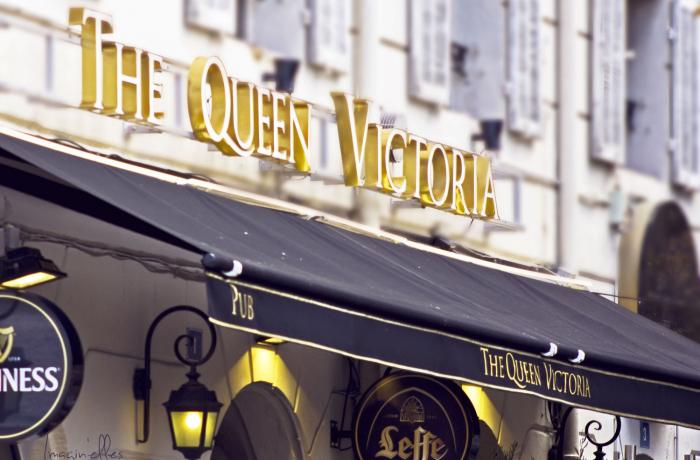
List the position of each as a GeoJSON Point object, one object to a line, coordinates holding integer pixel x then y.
{"type": "Point", "coordinates": [561, 433]}
{"type": "Point", "coordinates": [142, 377]}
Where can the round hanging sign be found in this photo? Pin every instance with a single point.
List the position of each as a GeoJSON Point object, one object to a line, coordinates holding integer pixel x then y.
{"type": "Point", "coordinates": [41, 364]}
{"type": "Point", "coordinates": [407, 416]}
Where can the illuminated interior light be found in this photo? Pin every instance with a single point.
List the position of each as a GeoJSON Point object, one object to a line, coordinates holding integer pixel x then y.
{"type": "Point", "coordinates": [193, 420]}
{"type": "Point", "coordinates": [25, 267]}
{"type": "Point", "coordinates": [25, 281]}
{"type": "Point", "coordinates": [271, 340]}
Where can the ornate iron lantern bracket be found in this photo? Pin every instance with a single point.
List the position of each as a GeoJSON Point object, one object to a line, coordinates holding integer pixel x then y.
{"type": "Point", "coordinates": [599, 454]}
{"type": "Point", "coordinates": [142, 377]}
{"type": "Point", "coordinates": [560, 418]}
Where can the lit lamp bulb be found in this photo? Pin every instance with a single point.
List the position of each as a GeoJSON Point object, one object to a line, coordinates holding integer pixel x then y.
{"type": "Point", "coordinates": [193, 420]}
{"type": "Point", "coordinates": [192, 412]}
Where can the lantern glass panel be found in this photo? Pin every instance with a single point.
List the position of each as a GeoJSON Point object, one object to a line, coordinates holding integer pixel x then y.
{"type": "Point", "coordinates": [187, 428]}
{"type": "Point", "coordinates": [211, 426]}
{"type": "Point", "coordinates": [25, 281]}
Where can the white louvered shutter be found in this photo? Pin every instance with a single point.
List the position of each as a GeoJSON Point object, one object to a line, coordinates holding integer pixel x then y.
{"type": "Point", "coordinates": [523, 67]}
{"type": "Point", "coordinates": [213, 15]}
{"type": "Point", "coordinates": [429, 69]}
{"type": "Point", "coordinates": [684, 116]}
{"type": "Point", "coordinates": [330, 34]}
{"type": "Point", "coordinates": [608, 131]}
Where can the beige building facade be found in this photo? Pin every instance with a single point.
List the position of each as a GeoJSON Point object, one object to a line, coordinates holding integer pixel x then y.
{"type": "Point", "coordinates": [588, 111]}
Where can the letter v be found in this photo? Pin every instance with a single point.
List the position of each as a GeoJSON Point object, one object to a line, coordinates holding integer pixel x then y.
{"type": "Point", "coordinates": [352, 133]}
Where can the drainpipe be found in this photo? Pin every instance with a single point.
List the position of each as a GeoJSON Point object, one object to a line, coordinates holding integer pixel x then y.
{"type": "Point", "coordinates": [569, 152]}
{"type": "Point", "coordinates": [571, 437]}
{"type": "Point", "coordinates": [366, 77]}
{"type": "Point", "coordinates": [568, 155]}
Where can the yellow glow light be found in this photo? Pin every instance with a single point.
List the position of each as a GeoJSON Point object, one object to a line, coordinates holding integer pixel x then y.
{"type": "Point", "coordinates": [187, 428]}
{"type": "Point", "coordinates": [273, 341]}
{"type": "Point", "coordinates": [264, 363]}
{"type": "Point", "coordinates": [484, 406]}
{"type": "Point", "coordinates": [29, 280]}
{"type": "Point", "coordinates": [474, 393]}
{"type": "Point", "coordinates": [193, 420]}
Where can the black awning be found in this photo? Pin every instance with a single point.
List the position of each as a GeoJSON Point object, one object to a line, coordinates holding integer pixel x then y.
{"type": "Point", "coordinates": [387, 302]}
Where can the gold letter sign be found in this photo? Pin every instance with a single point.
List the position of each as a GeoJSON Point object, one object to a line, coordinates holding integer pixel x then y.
{"type": "Point", "coordinates": [436, 175]}
{"type": "Point", "coordinates": [243, 119]}
{"type": "Point", "coordinates": [119, 80]}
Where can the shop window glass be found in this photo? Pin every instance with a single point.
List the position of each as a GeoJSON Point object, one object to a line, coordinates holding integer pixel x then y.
{"type": "Point", "coordinates": [523, 67]}
{"type": "Point", "coordinates": [608, 80]}
{"type": "Point", "coordinates": [429, 42]}
{"type": "Point", "coordinates": [478, 66]}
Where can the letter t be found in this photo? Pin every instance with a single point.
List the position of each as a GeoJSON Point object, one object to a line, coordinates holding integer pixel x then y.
{"type": "Point", "coordinates": [94, 25]}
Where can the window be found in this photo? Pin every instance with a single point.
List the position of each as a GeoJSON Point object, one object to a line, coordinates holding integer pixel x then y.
{"type": "Point", "coordinates": [685, 127]}
{"type": "Point", "coordinates": [429, 61]}
{"type": "Point", "coordinates": [212, 15]}
{"type": "Point", "coordinates": [280, 26]}
{"type": "Point", "coordinates": [523, 67]}
{"type": "Point", "coordinates": [329, 44]}
{"type": "Point", "coordinates": [648, 79]}
{"type": "Point", "coordinates": [608, 78]}
{"type": "Point", "coordinates": [478, 58]}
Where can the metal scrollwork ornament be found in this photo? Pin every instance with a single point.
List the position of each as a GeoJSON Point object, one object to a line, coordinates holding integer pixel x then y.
{"type": "Point", "coordinates": [142, 377]}
{"type": "Point", "coordinates": [597, 426]}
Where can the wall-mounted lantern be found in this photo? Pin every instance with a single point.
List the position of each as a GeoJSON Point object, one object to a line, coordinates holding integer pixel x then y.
{"type": "Point", "coordinates": [193, 409]}
{"type": "Point", "coordinates": [24, 267]}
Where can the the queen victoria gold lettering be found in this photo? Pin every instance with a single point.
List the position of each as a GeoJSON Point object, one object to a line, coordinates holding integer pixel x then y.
{"type": "Point", "coordinates": [118, 80]}
{"type": "Point", "coordinates": [524, 373]}
{"type": "Point", "coordinates": [242, 119]}
{"type": "Point", "coordinates": [434, 174]}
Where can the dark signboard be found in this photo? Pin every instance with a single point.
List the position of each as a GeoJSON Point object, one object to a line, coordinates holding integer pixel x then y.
{"type": "Point", "coordinates": [268, 312]}
{"type": "Point", "coordinates": [41, 365]}
{"type": "Point", "coordinates": [409, 416]}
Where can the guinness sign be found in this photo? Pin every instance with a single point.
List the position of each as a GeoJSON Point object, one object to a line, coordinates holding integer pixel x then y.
{"type": "Point", "coordinates": [41, 365]}
{"type": "Point", "coordinates": [415, 417]}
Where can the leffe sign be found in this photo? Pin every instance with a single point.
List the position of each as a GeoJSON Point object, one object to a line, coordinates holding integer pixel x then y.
{"type": "Point", "coordinates": [415, 416]}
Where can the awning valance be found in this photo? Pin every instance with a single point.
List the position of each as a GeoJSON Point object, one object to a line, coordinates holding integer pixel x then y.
{"type": "Point", "coordinates": [388, 302]}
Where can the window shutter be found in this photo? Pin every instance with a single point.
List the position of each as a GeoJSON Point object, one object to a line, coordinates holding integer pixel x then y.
{"type": "Point", "coordinates": [213, 15]}
{"type": "Point", "coordinates": [684, 116]}
{"type": "Point", "coordinates": [429, 68]}
{"type": "Point", "coordinates": [608, 131]}
{"type": "Point", "coordinates": [478, 61]}
{"type": "Point", "coordinates": [523, 67]}
{"type": "Point", "coordinates": [330, 36]}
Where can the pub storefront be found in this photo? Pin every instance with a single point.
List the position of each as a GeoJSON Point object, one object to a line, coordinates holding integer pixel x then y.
{"type": "Point", "coordinates": [151, 313]}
